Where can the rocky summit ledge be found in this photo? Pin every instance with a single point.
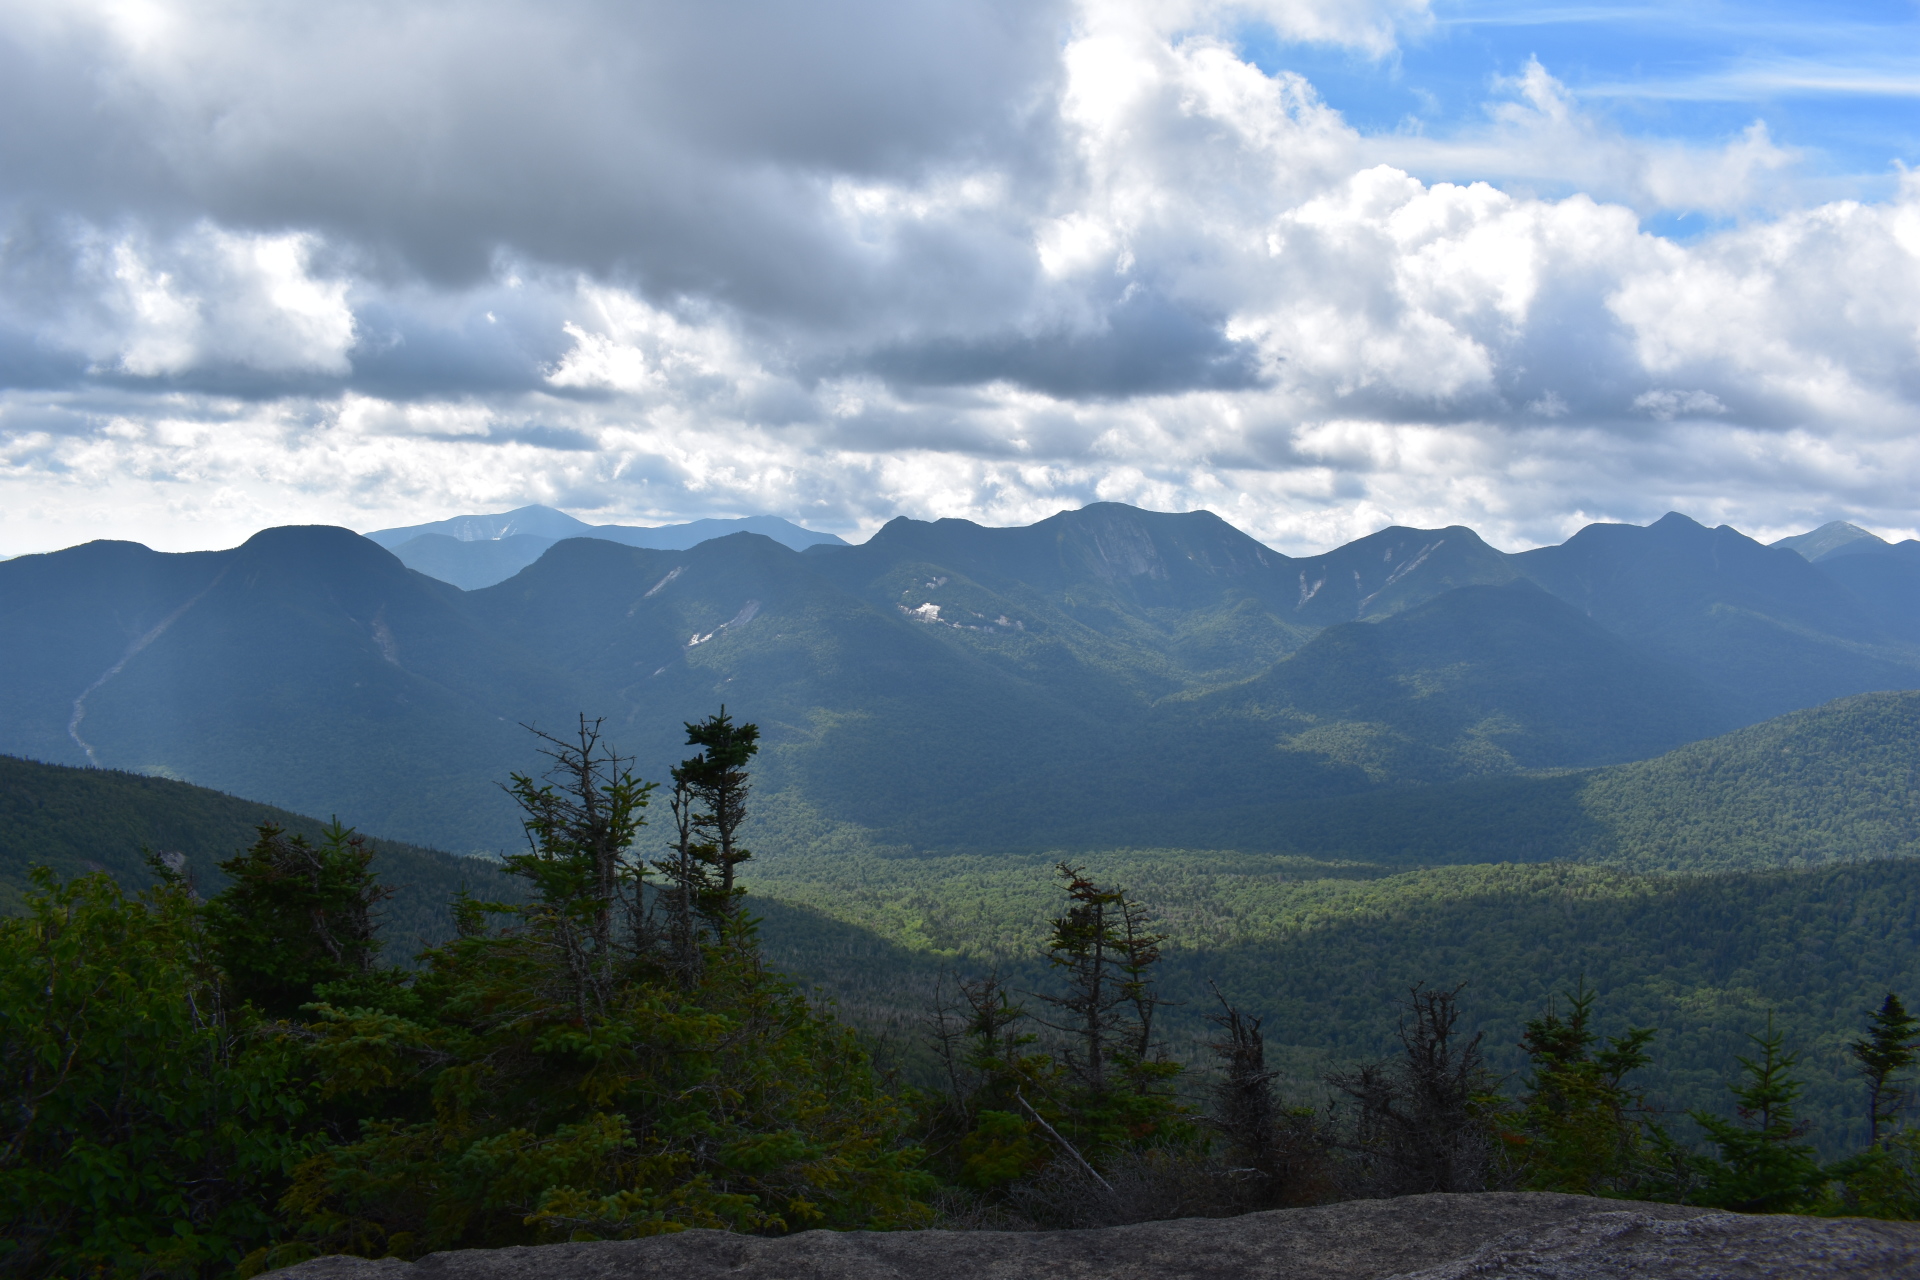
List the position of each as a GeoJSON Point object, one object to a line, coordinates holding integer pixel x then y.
{"type": "Point", "coordinates": [1489, 1236]}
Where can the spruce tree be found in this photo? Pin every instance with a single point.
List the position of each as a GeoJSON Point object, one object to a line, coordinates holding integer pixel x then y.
{"type": "Point", "coordinates": [580, 823]}
{"type": "Point", "coordinates": [1884, 1180]}
{"type": "Point", "coordinates": [560, 1079]}
{"type": "Point", "coordinates": [1763, 1166]}
{"type": "Point", "coordinates": [1581, 1126]}
{"type": "Point", "coordinates": [715, 783]}
{"type": "Point", "coordinates": [993, 1075]}
{"type": "Point", "coordinates": [296, 916]}
{"type": "Point", "coordinates": [1103, 948]}
{"type": "Point", "coordinates": [1888, 1049]}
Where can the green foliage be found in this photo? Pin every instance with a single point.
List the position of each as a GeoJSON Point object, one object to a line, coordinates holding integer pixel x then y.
{"type": "Point", "coordinates": [1835, 783]}
{"type": "Point", "coordinates": [1001, 1147]}
{"type": "Point", "coordinates": [513, 1119]}
{"type": "Point", "coordinates": [1893, 1036]}
{"type": "Point", "coordinates": [1884, 1180]}
{"type": "Point", "coordinates": [1880, 1182]}
{"type": "Point", "coordinates": [1105, 1093]}
{"type": "Point", "coordinates": [984, 1126]}
{"type": "Point", "coordinates": [580, 828]}
{"type": "Point", "coordinates": [567, 1077]}
{"type": "Point", "coordinates": [1310, 946]}
{"type": "Point", "coordinates": [142, 1131]}
{"type": "Point", "coordinates": [1579, 1128]}
{"type": "Point", "coordinates": [1117, 1092]}
{"type": "Point", "coordinates": [715, 786]}
{"type": "Point", "coordinates": [1763, 1165]}
{"type": "Point", "coordinates": [295, 915]}
{"type": "Point", "coordinates": [579, 831]}
{"type": "Point", "coordinates": [74, 821]}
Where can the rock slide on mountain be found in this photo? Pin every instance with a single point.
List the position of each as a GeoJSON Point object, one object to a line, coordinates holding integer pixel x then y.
{"type": "Point", "coordinates": [1488, 1236]}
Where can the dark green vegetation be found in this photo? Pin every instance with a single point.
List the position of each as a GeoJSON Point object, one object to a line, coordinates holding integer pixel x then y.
{"type": "Point", "coordinates": [1312, 947]}
{"type": "Point", "coordinates": [608, 1058]}
{"type": "Point", "coordinates": [1310, 937]}
{"type": "Point", "coordinates": [75, 821]}
{"type": "Point", "coordinates": [1108, 676]}
{"type": "Point", "coordinates": [1838, 782]}
{"type": "Point", "coordinates": [611, 1053]}
{"type": "Point", "coordinates": [583, 1068]}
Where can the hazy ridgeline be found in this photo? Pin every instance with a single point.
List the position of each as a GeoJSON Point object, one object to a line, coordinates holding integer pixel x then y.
{"type": "Point", "coordinates": [1105, 678]}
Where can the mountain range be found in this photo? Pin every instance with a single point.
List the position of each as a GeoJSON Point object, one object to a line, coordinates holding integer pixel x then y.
{"type": "Point", "coordinates": [477, 551]}
{"type": "Point", "coordinates": [1105, 677]}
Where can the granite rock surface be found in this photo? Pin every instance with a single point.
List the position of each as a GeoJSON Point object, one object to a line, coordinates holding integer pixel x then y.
{"type": "Point", "coordinates": [1488, 1236]}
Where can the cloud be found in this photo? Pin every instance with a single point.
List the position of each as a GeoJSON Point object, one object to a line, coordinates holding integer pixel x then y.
{"type": "Point", "coordinates": [376, 264]}
{"type": "Point", "coordinates": [1539, 135]}
{"type": "Point", "coordinates": [1668, 405]}
{"type": "Point", "coordinates": [1372, 27]}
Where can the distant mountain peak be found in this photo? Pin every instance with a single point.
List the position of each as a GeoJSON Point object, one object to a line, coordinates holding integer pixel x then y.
{"type": "Point", "coordinates": [1835, 536]}
{"type": "Point", "coordinates": [535, 521]}
{"type": "Point", "coordinates": [477, 551]}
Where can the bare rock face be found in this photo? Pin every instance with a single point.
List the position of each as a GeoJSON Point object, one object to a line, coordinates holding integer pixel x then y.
{"type": "Point", "coordinates": [1720, 1246]}
{"type": "Point", "coordinates": [1490, 1236]}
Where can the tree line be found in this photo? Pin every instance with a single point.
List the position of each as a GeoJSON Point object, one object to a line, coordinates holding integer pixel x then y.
{"type": "Point", "coordinates": [223, 1086]}
{"type": "Point", "coordinates": [1099, 1130]}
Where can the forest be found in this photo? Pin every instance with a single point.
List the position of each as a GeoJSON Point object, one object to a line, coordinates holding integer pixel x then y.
{"type": "Point", "coordinates": [226, 1083]}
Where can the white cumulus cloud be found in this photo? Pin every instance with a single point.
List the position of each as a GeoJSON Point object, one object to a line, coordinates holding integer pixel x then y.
{"type": "Point", "coordinates": [374, 264]}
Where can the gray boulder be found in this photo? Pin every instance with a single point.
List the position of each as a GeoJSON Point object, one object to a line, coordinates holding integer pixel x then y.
{"type": "Point", "coordinates": [1490, 1236]}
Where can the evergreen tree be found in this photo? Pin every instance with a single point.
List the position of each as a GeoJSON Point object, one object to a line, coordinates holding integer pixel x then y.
{"type": "Point", "coordinates": [1580, 1128]}
{"type": "Point", "coordinates": [296, 916]}
{"type": "Point", "coordinates": [1103, 948]}
{"type": "Point", "coordinates": [545, 1086]}
{"type": "Point", "coordinates": [1884, 1180]}
{"type": "Point", "coordinates": [986, 1123]}
{"type": "Point", "coordinates": [580, 824]}
{"type": "Point", "coordinates": [1892, 1037]}
{"type": "Point", "coordinates": [1763, 1166]}
{"type": "Point", "coordinates": [716, 783]}
{"type": "Point", "coordinates": [146, 1128]}
{"type": "Point", "coordinates": [709, 804]}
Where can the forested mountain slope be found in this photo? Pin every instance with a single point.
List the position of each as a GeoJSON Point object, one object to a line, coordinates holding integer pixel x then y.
{"type": "Point", "coordinates": [1836, 783]}
{"type": "Point", "coordinates": [1324, 951]}
{"type": "Point", "coordinates": [1767, 629]}
{"type": "Point", "coordinates": [1482, 679]}
{"type": "Point", "coordinates": [306, 668]}
{"type": "Point", "coordinates": [1105, 676]}
{"type": "Point", "coordinates": [75, 821]}
{"type": "Point", "coordinates": [1320, 947]}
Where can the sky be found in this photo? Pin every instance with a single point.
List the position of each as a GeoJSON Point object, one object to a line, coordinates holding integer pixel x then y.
{"type": "Point", "coordinates": [1319, 266]}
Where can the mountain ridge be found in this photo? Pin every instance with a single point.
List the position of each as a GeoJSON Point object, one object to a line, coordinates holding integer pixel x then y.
{"type": "Point", "coordinates": [944, 685]}
{"type": "Point", "coordinates": [476, 551]}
